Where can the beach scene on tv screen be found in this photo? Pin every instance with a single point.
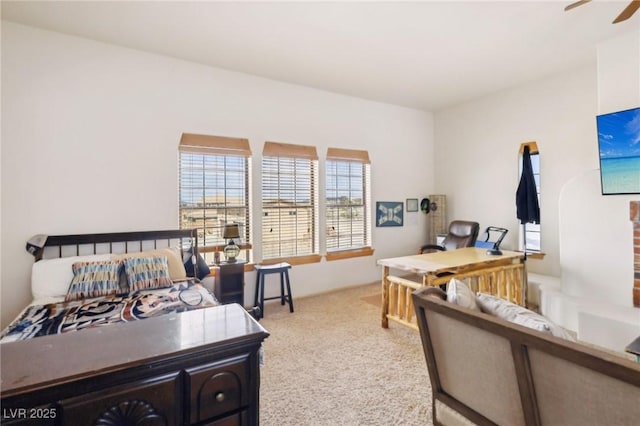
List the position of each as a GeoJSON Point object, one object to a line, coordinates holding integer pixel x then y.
{"type": "Point", "coordinates": [619, 144]}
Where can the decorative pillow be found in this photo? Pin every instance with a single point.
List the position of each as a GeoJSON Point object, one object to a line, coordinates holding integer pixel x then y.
{"type": "Point", "coordinates": [519, 315]}
{"type": "Point", "coordinates": [460, 294]}
{"type": "Point", "coordinates": [94, 279]}
{"type": "Point", "coordinates": [147, 272]}
{"type": "Point", "coordinates": [202, 268]}
{"type": "Point", "coordinates": [51, 277]}
{"type": "Point", "coordinates": [176, 267]}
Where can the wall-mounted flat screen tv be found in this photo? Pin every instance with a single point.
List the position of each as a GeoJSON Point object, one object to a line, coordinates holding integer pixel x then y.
{"type": "Point", "coordinates": [619, 147]}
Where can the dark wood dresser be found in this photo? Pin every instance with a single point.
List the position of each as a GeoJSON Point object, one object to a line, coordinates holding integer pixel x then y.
{"type": "Point", "coordinates": [193, 368]}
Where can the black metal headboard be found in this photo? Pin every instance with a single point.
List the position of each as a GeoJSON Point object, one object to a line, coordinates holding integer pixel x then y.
{"type": "Point", "coordinates": [141, 240]}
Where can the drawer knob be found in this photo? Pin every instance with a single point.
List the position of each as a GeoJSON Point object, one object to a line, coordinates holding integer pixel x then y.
{"type": "Point", "coordinates": [220, 397]}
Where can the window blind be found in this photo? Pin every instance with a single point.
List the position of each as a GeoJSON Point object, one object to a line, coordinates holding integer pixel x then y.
{"type": "Point", "coordinates": [347, 199]}
{"type": "Point", "coordinates": [214, 187]}
{"type": "Point", "coordinates": [289, 200]}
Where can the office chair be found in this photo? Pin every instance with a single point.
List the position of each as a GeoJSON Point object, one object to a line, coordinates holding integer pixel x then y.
{"type": "Point", "coordinates": [461, 234]}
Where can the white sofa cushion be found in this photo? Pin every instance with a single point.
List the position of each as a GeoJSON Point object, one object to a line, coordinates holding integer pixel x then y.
{"type": "Point", "coordinates": [519, 315]}
{"type": "Point", "coordinates": [460, 294]}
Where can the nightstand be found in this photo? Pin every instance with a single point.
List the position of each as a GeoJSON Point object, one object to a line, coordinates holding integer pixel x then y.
{"type": "Point", "coordinates": [229, 283]}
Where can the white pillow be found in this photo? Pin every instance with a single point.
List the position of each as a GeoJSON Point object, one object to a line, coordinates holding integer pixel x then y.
{"type": "Point", "coordinates": [460, 294]}
{"type": "Point", "coordinates": [520, 315]}
{"type": "Point", "coordinates": [51, 277]}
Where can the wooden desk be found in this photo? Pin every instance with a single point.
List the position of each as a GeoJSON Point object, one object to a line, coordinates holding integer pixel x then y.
{"type": "Point", "coordinates": [502, 275]}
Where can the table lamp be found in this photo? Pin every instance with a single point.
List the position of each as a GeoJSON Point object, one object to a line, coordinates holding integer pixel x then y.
{"type": "Point", "coordinates": [231, 250]}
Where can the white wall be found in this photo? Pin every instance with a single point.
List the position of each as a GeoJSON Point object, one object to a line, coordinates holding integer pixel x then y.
{"type": "Point", "coordinates": [90, 135]}
{"type": "Point", "coordinates": [619, 73]}
{"type": "Point", "coordinates": [587, 237]}
{"type": "Point", "coordinates": [597, 266]}
{"type": "Point", "coordinates": [477, 147]}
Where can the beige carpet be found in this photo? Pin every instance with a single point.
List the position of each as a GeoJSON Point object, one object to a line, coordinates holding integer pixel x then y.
{"type": "Point", "coordinates": [330, 363]}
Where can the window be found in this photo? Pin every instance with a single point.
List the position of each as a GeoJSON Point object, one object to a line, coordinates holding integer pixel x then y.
{"type": "Point", "coordinates": [531, 232]}
{"type": "Point", "coordinates": [214, 182]}
{"type": "Point", "coordinates": [289, 202]}
{"type": "Point", "coordinates": [347, 200]}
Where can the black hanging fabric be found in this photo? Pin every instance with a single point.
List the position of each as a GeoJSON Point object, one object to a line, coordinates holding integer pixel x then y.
{"type": "Point", "coordinates": [528, 209]}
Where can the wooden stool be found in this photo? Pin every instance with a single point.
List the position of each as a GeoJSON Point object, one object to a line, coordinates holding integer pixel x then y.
{"type": "Point", "coordinates": [285, 296]}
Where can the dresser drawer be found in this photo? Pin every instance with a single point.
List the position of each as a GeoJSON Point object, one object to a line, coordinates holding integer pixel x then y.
{"type": "Point", "coordinates": [241, 418]}
{"type": "Point", "coordinates": [152, 401]}
{"type": "Point", "coordinates": [218, 389]}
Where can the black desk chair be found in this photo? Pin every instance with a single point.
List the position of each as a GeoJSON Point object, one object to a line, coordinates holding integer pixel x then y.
{"type": "Point", "coordinates": [462, 233]}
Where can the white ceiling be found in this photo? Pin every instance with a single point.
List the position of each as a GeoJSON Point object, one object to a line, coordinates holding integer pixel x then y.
{"type": "Point", "coordinates": [426, 55]}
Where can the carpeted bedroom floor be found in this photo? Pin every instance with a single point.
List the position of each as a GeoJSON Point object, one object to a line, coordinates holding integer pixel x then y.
{"type": "Point", "coordinates": [330, 363]}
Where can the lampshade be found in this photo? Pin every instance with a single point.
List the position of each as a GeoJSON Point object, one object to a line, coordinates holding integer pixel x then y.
{"type": "Point", "coordinates": [231, 231]}
{"type": "Point", "coordinates": [231, 250]}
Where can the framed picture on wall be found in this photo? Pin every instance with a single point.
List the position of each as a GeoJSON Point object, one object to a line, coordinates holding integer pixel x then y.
{"type": "Point", "coordinates": [619, 152]}
{"type": "Point", "coordinates": [412, 204]}
{"type": "Point", "coordinates": [389, 213]}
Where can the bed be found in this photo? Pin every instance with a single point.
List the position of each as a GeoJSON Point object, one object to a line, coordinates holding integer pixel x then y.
{"type": "Point", "coordinates": [86, 281]}
{"type": "Point", "coordinates": [78, 352]}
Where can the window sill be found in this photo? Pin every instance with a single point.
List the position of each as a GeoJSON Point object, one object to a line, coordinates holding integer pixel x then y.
{"type": "Point", "coordinates": [213, 268]}
{"type": "Point", "coordinates": [220, 248]}
{"type": "Point", "coordinates": [298, 260]}
{"type": "Point", "coordinates": [534, 254]}
{"type": "Point", "coordinates": [348, 254]}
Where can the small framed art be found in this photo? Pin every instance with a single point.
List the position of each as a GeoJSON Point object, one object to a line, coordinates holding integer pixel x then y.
{"type": "Point", "coordinates": [389, 213]}
{"type": "Point", "coordinates": [412, 204]}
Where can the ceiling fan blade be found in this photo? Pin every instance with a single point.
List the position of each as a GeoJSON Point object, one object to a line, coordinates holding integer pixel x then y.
{"type": "Point", "coordinates": [628, 11]}
{"type": "Point", "coordinates": [576, 4]}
